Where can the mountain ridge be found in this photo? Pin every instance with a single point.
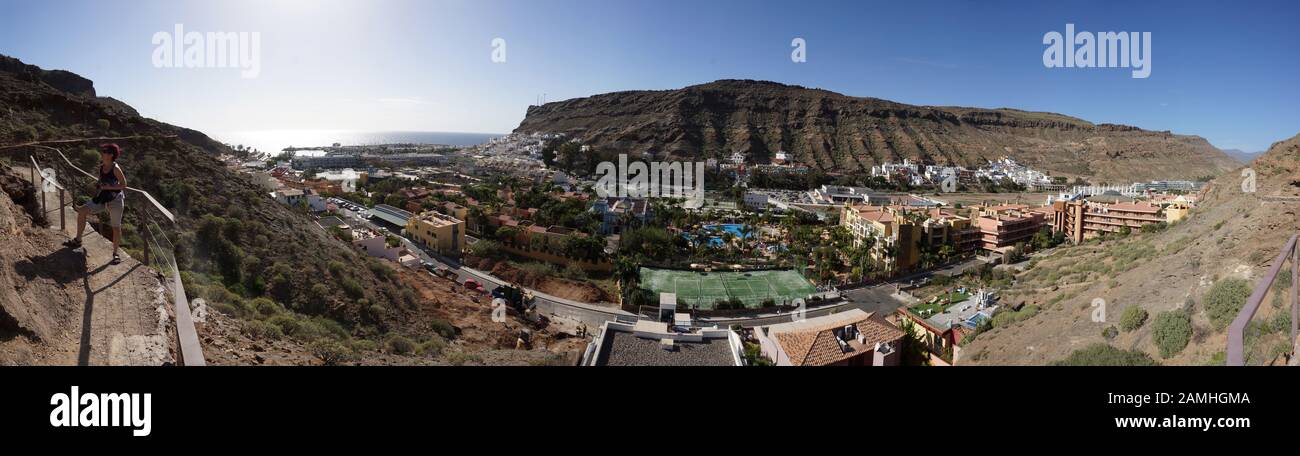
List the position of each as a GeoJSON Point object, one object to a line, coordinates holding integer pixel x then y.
{"type": "Point", "coordinates": [841, 133]}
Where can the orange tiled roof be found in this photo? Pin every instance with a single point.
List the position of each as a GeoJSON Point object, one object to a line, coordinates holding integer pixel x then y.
{"type": "Point", "coordinates": [877, 216]}
{"type": "Point", "coordinates": [1133, 207]}
{"type": "Point", "coordinates": [817, 346]}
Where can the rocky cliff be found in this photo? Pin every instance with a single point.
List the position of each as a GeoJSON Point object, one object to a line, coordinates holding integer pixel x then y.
{"type": "Point", "coordinates": [839, 133]}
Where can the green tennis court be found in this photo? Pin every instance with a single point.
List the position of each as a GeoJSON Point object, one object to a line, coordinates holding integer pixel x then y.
{"type": "Point", "coordinates": [703, 289]}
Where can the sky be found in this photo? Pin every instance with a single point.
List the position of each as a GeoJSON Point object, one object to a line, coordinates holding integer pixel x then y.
{"type": "Point", "coordinates": [1227, 71]}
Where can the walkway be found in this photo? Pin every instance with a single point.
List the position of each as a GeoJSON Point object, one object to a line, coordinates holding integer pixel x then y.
{"type": "Point", "coordinates": [124, 318]}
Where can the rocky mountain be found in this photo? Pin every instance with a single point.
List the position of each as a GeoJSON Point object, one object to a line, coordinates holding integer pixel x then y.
{"type": "Point", "coordinates": [1241, 155]}
{"type": "Point", "coordinates": [840, 133]}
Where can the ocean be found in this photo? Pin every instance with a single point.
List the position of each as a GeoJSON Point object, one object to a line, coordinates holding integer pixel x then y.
{"type": "Point", "coordinates": [273, 141]}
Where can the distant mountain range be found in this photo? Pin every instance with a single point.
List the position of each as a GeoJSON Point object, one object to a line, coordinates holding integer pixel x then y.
{"type": "Point", "coordinates": [844, 134]}
{"type": "Point", "coordinates": [1241, 155]}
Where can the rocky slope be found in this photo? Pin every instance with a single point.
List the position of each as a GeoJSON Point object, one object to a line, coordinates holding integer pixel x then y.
{"type": "Point", "coordinates": [281, 289]}
{"type": "Point", "coordinates": [236, 245]}
{"type": "Point", "coordinates": [1231, 234]}
{"type": "Point", "coordinates": [839, 133]}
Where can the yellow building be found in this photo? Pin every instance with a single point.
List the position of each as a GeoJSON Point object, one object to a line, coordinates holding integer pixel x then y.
{"type": "Point", "coordinates": [897, 239]}
{"type": "Point", "coordinates": [444, 234]}
{"type": "Point", "coordinates": [1177, 210]}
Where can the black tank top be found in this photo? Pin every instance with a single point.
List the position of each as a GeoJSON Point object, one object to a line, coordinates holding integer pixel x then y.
{"type": "Point", "coordinates": [108, 179]}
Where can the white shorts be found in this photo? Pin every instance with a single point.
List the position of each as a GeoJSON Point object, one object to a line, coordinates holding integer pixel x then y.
{"type": "Point", "coordinates": [114, 208]}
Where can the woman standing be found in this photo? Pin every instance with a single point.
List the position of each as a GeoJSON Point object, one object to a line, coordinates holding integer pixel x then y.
{"type": "Point", "coordinates": [111, 197]}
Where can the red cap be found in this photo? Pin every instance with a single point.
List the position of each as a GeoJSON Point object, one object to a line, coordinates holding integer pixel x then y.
{"type": "Point", "coordinates": [111, 149]}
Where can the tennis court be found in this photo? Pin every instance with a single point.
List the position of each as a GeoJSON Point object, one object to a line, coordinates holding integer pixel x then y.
{"type": "Point", "coordinates": [703, 289]}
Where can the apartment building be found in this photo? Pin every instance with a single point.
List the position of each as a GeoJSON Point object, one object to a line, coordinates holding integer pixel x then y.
{"type": "Point", "coordinates": [896, 233]}
{"type": "Point", "coordinates": [1002, 227]}
{"type": "Point", "coordinates": [1083, 220]}
{"type": "Point", "coordinates": [442, 233]}
{"type": "Point", "coordinates": [944, 226]}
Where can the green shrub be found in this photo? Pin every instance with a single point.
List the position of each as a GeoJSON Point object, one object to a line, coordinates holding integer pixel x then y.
{"type": "Point", "coordinates": [444, 329]}
{"type": "Point", "coordinates": [1172, 331]}
{"type": "Point", "coordinates": [573, 271]}
{"type": "Point", "coordinates": [287, 323]}
{"type": "Point", "coordinates": [1132, 318]}
{"type": "Point", "coordinates": [1109, 333]}
{"type": "Point", "coordinates": [266, 307]}
{"type": "Point", "coordinates": [352, 288]}
{"type": "Point", "coordinates": [1281, 321]}
{"type": "Point", "coordinates": [1105, 355]}
{"type": "Point", "coordinates": [1010, 317]}
{"type": "Point", "coordinates": [399, 345]}
{"type": "Point", "coordinates": [432, 347]}
{"type": "Point", "coordinates": [1218, 359]}
{"type": "Point", "coordinates": [331, 352]}
{"type": "Point", "coordinates": [260, 330]}
{"type": "Point", "coordinates": [1224, 301]}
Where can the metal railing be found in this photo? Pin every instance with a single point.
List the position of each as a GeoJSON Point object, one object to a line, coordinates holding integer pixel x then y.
{"type": "Point", "coordinates": [157, 246]}
{"type": "Point", "coordinates": [1236, 352]}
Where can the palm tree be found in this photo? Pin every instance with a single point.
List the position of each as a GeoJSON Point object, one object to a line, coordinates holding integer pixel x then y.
{"type": "Point", "coordinates": [626, 272]}
{"type": "Point", "coordinates": [746, 236]}
{"type": "Point", "coordinates": [945, 252]}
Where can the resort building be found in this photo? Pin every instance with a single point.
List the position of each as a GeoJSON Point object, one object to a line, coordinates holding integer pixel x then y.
{"type": "Point", "coordinates": [617, 214]}
{"type": "Point", "coordinates": [893, 233]}
{"type": "Point", "coordinates": [442, 233]}
{"type": "Point", "coordinates": [851, 338]}
{"type": "Point", "coordinates": [943, 226]}
{"type": "Point", "coordinates": [1083, 220]}
{"type": "Point", "coordinates": [1002, 227]}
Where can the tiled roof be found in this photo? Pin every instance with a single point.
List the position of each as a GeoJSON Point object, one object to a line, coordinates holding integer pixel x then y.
{"type": "Point", "coordinates": [817, 345]}
{"type": "Point", "coordinates": [1133, 207]}
{"type": "Point", "coordinates": [877, 216]}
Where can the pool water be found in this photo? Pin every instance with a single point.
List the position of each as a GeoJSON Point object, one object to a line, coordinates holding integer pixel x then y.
{"type": "Point", "coordinates": [733, 228]}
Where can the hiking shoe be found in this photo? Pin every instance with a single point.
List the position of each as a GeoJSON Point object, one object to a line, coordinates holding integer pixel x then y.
{"type": "Point", "coordinates": [117, 259]}
{"type": "Point", "coordinates": [72, 243]}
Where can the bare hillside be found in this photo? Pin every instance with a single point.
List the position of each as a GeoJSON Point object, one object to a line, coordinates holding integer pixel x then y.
{"type": "Point", "coordinates": [1232, 234]}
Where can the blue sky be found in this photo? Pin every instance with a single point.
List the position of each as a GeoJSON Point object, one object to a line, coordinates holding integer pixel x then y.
{"type": "Point", "coordinates": [1227, 71]}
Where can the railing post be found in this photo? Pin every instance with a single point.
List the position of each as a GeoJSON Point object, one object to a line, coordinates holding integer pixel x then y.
{"type": "Point", "coordinates": [146, 248]}
{"type": "Point", "coordinates": [63, 224]}
{"type": "Point", "coordinates": [1295, 294]}
{"type": "Point", "coordinates": [41, 189]}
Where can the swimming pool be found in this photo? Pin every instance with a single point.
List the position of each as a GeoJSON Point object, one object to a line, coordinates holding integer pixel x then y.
{"type": "Point", "coordinates": [734, 228]}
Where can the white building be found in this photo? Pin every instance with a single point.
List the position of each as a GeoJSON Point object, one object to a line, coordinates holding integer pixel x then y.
{"type": "Point", "coordinates": [756, 200]}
